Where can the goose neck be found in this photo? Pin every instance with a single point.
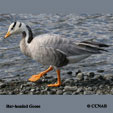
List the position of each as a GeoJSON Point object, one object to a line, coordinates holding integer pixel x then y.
{"type": "Point", "coordinates": [27, 34]}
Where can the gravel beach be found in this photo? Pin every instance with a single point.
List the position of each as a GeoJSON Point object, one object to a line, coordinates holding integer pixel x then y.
{"type": "Point", "coordinates": [80, 84]}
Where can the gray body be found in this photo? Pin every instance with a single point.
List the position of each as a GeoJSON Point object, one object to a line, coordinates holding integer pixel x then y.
{"type": "Point", "coordinates": [55, 50]}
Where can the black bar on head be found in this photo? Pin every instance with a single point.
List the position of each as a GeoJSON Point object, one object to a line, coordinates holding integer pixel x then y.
{"type": "Point", "coordinates": [13, 25]}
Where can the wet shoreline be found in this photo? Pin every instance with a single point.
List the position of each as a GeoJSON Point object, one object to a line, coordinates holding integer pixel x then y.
{"type": "Point", "coordinates": [80, 84]}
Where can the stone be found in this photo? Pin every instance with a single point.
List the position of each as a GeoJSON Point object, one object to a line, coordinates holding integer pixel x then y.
{"type": "Point", "coordinates": [91, 74]}
{"type": "Point", "coordinates": [67, 93]}
{"type": "Point", "coordinates": [69, 72]}
{"type": "Point", "coordinates": [108, 77]}
{"type": "Point", "coordinates": [112, 91]}
{"type": "Point", "coordinates": [68, 88]}
{"type": "Point", "coordinates": [88, 92]}
{"type": "Point", "coordinates": [32, 90]}
{"type": "Point", "coordinates": [79, 90]}
{"type": "Point", "coordinates": [79, 71]}
{"type": "Point", "coordinates": [80, 76]}
{"type": "Point", "coordinates": [59, 92]}
{"type": "Point", "coordinates": [2, 85]}
{"type": "Point", "coordinates": [100, 71]}
{"type": "Point", "coordinates": [98, 92]}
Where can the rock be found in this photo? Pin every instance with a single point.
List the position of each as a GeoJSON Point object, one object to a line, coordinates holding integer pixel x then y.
{"type": "Point", "coordinates": [91, 74]}
{"type": "Point", "coordinates": [112, 91]}
{"type": "Point", "coordinates": [79, 71]}
{"type": "Point", "coordinates": [79, 90]}
{"type": "Point", "coordinates": [67, 93]}
{"type": "Point", "coordinates": [59, 92]}
{"type": "Point", "coordinates": [37, 92]}
{"type": "Point", "coordinates": [88, 92]}
{"type": "Point", "coordinates": [37, 89]}
{"type": "Point", "coordinates": [1, 80]}
{"type": "Point", "coordinates": [31, 93]}
{"type": "Point", "coordinates": [69, 72]}
{"type": "Point", "coordinates": [69, 82]}
{"type": "Point", "coordinates": [80, 76]}
{"type": "Point", "coordinates": [68, 88]}
{"type": "Point", "coordinates": [99, 77]}
{"type": "Point", "coordinates": [101, 87]}
{"type": "Point", "coordinates": [3, 93]}
{"type": "Point", "coordinates": [54, 90]}
{"type": "Point", "coordinates": [43, 92]}
{"type": "Point", "coordinates": [86, 77]}
{"type": "Point", "coordinates": [100, 71]}
{"type": "Point", "coordinates": [108, 77]}
{"type": "Point", "coordinates": [21, 93]}
{"type": "Point", "coordinates": [32, 90]}
{"type": "Point", "coordinates": [30, 83]}
{"type": "Point", "coordinates": [74, 93]}
{"type": "Point", "coordinates": [50, 92]}
{"type": "Point", "coordinates": [2, 85]}
{"type": "Point", "coordinates": [98, 92]}
{"type": "Point", "coordinates": [45, 80]}
{"type": "Point", "coordinates": [89, 89]}
{"type": "Point", "coordinates": [10, 93]}
{"type": "Point", "coordinates": [21, 86]}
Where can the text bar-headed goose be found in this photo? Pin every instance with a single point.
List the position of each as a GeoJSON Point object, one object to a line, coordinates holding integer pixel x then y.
{"type": "Point", "coordinates": [51, 49]}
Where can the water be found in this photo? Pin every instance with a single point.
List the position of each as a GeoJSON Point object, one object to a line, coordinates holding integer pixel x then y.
{"type": "Point", "coordinates": [80, 27]}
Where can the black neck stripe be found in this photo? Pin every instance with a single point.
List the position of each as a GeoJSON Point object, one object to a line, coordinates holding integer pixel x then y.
{"type": "Point", "coordinates": [13, 25]}
{"type": "Point", "coordinates": [20, 25]}
{"type": "Point", "coordinates": [30, 35]}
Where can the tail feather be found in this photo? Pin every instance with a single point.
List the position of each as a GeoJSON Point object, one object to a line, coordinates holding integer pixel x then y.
{"type": "Point", "coordinates": [98, 44]}
{"type": "Point", "coordinates": [93, 46]}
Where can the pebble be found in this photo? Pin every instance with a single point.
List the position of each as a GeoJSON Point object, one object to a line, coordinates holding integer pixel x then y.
{"type": "Point", "coordinates": [59, 92]}
{"type": "Point", "coordinates": [67, 93]}
{"type": "Point", "coordinates": [108, 77]}
{"type": "Point", "coordinates": [79, 90]}
{"type": "Point", "coordinates": [80, 76]}
{"type": "Point", "coordinates": [88, 92]}
{"type": "Point", "coordinates": [98, 92]}
{"type": "Point", "coordinates": [79, 71]}
{"type": "Point", "coordinates": [68, 88]}
{"type": "Point", "coordinates": [69, 72]}
{"type": "Point", "coordinates": [74, 93]}
{"type": "Point", "coordinates": [91, 74]}
{"type": "Point", "coordinates": [29, 83]}
{"type": "Point", "coordinates": [69, 82]}
{"type": "Point", "coordinates": [32, 90]}
{"type": "Point", "coordinates": [2, 85]}
{"type": "Point", "coordinates": [100, 71]}
{"type": "Point", "coordinates": [112, 91]}
{"type": "Point", "coordinates": [98, 77]}
{"type": "Point", "coordinates": [89, 89]}
{"type": "Point", "coordinates": [21, 86]}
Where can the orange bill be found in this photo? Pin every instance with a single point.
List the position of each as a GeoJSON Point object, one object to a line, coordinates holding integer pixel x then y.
{"type": "Point", "coordinates": [7, 34]}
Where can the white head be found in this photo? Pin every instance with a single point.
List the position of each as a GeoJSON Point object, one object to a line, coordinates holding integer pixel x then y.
{"type": "Point", "coordinates": [15, 28]}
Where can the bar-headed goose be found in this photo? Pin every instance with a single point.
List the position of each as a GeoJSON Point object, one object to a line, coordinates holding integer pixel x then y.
{"type": "Point", "coordinates": [52, 49]}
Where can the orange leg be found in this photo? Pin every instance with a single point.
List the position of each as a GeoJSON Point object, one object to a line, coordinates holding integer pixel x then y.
{"type": "Point", "coordinates": [58, 80]}
{"type": "Point", "coordinates": [38, 76]}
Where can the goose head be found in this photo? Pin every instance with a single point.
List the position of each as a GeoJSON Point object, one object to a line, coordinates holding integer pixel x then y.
{"type": "Point", "coordinates": [16, 28]}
